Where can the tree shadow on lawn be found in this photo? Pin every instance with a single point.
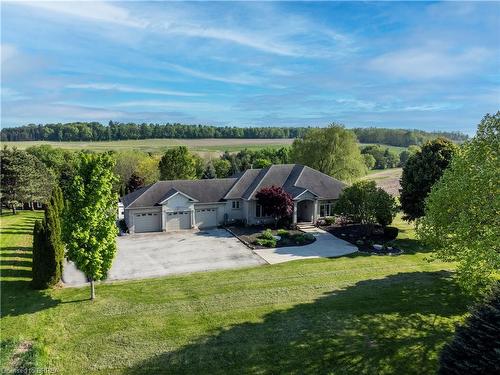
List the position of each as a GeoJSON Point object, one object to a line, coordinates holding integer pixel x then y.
{"type": "Point", "coordinates": [393, 325]}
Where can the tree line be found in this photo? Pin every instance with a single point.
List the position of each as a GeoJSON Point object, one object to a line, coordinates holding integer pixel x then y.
{"type": "Point", "coordinates": [115, 131]}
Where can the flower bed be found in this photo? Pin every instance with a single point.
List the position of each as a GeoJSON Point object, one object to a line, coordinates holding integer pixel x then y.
{"type": "Point", "coordinates": [375, 241]}
{"type": "Point", "coordinates": [258, 237]}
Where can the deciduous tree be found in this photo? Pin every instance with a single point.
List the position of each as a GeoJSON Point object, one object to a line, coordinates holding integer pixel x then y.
{"type": "Point", "coordinates": [462, 211]}
{"type": "Point", "coordinates": [177, 163]}
{"type": "Point", "coordinates": [420, 172]}
{"type": "Point", "coordinates": [89, 222]}
{"type": "Point", "coordinates": [333, 150]}
{"type": "Point", "coordinates": [275, 201]}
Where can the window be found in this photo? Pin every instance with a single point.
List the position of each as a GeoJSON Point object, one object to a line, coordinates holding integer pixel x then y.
{"type": "Point", "coordinates": [326, 209]}
{"type": "Point", "coordinates": [258, 210]}
{"type": "Point", "coordinates": [236, 205]}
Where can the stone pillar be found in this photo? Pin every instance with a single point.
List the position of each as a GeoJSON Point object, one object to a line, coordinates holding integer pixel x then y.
{"type": "Point", "coordinates": [315, 213]}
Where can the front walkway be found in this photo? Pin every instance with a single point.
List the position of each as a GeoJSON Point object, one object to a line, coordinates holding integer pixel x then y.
{"type": "Point", "coordinates": [325, 246]}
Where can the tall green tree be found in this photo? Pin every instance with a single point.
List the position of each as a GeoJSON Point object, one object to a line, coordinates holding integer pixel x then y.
{"type": "Point", "coordinates": [89, 229]}
{"type": "Point", "coordinates": [333, 151]}
{"type": "Point", "coordinates": [177, 163]}
{"type": "Point", "coordinates": [24, 178]}
{"type": "Point", "coordinates": [222, 168]}
{"type": "Point", "coordinates": [420, 172]}
{"type": "Point", "coordinates": [48, 249]}
{"type": "Point", "coordinates": [462, 213]}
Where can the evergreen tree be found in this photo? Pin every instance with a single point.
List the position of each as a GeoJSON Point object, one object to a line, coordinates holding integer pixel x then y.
{"type": "Point", "coordinates": [209, 171]}
{"type": "Point", "coordinates": [48, 250]}
{"type": "Point", "coordinates": [475, 349]}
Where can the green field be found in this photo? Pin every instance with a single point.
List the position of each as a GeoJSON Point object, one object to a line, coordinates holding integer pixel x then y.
{"type": "Point", "coordinates": [155, 145]}
{"type": "Point", "coordinates": [209, 145]}
{"type": "Point", "coordinates": [353, 315]}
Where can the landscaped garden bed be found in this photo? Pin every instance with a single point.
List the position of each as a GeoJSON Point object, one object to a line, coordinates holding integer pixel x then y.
{"type": "Point", "coordinates": [374, 240]}
{"type": "Point", "coordinates": [260, 237]}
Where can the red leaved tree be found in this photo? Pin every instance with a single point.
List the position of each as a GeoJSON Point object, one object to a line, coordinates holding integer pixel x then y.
{"type": "Point", "coordinates": [275, 202]}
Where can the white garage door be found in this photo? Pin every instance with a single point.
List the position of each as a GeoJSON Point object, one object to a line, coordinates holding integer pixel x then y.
{"type": "Point", "coordinates": [206, 217]}
{"type": "Point", "coordinates": [178, 220]}
{"type": "Point", "coordinates": [150, 222]}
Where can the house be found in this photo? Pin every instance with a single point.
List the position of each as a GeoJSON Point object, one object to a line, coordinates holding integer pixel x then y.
{"type": "Point", "coordinates": [186, 204]}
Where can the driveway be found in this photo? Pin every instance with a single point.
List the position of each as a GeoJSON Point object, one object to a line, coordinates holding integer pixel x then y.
{"type": "Point", "coordinates": [159, 254]}
{"type": "Point", "coordinates": [325, 246]}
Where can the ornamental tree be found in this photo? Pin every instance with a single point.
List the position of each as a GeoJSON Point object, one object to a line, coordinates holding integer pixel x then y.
{"type": "Point", "coordinates": [275, 201]}
{"type": "Point", "coordinates": [462, 211]}
{"type": "Point", "coordinates": [420, 172]}
{"type": "Point", "coordinates": [89, 227]}
{"type": "Point", "coordinates": [365, 203]}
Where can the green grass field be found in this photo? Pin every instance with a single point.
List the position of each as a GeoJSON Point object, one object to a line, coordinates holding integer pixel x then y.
{"type": "Point", "coordinates": [156, 145]}
{"type": "Point", "coordinates": [209, 145]}
{"type": "Point", "coordinates": [353, 315]}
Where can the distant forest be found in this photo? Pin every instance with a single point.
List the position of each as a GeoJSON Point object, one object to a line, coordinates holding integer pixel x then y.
{"type": "Point", "coordinates": [115, 131]}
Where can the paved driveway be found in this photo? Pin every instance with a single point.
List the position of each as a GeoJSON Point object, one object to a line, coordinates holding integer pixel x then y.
{"type": "Point", "coordinates": [325, 246]}
{"type": "Point", "coordinates": [158, 254]}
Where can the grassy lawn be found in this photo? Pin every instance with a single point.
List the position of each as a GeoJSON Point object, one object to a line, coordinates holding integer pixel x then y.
{"type": "Point", "coordinates": [351, 315]}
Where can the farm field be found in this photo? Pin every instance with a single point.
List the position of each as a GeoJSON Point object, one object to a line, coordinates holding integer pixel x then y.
{"type": "Point", "coordinates": [203, 145]}
{"type": "Point", "coordinates": [359, 314]}
{"type": "Point", "coordinates": [387, 179]}
{"type": "Point", "coordinates": [154, 145]}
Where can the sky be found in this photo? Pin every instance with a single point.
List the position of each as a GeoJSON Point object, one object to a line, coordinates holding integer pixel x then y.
{"type": "Point", "coordinates": [425, 65]}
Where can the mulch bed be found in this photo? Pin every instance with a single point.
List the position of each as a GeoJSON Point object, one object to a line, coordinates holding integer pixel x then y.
{"type": "Point", "coordinates": [250, 234]}
{"type": "Point", "coordinates": [353, 233]}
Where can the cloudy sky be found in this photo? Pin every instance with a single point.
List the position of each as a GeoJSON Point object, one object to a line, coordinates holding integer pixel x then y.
{"type": "Point", "coordinates": [433, 66]}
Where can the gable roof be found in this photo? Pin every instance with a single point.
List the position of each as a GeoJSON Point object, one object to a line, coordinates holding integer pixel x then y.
{"type": "Point", "coordinates": [294, 178]}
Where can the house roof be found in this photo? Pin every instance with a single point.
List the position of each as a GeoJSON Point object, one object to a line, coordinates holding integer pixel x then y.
{"type": "Point", "coordinates": [294, 178]}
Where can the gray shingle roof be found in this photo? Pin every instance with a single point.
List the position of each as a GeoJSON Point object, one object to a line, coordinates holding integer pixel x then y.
{"type": "Point", "coordinates": [294, 178]}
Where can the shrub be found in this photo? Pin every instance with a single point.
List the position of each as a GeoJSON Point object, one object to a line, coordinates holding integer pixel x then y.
{"type": "Point", "coordinates": [123, 226]}
{"type": "Point", "coordinates": [267, 235]}
{"type": "Point", "coordinates": [360, 242]}
{"type": "Point", "coordinates": [475, 347]}
{"type": "Point", "coordinates": [266, 242]}
{"type": "Point", "coordinates": [391, 232]}
{"type": "Point", "coordinates": [300, 239]}
{"type": "Point", "coordinates": [329, 220]}
{"type": "Point", "coordinates": [283, 233]}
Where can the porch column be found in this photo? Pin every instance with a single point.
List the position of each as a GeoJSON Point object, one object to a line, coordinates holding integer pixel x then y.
{"type": "Point", "coordinates": [315, 214]}
{"type": "Point", "coordinates": [294, 221]}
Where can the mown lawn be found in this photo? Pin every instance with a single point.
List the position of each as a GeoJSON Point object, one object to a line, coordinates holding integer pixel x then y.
{"type": "Point", "coordinates": [351, 315]}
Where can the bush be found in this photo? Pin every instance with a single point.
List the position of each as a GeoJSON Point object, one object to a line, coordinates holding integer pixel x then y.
{"type": "Point", "coordinates": [283, 233]}
{"type": "Point", "coordinates": [123, 226]}
{"type": "Point", "coordinates": [267, 235]}
{"type": "Point", "coordinates": [266, 242]}
{"type": "Point", "coordinates": [329, 220]}
{"type": "Point", "coordinates": [475, 347]}
{"type": "Point", "coordinates": [302, 238]}
{"type": "Point", "coordinates": [391, 232]}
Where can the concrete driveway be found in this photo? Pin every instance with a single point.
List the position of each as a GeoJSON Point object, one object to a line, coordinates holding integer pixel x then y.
{"type": "Point", "coordinates": [159, 254]}
{"type": "Point", "coordinates": [325, 246]}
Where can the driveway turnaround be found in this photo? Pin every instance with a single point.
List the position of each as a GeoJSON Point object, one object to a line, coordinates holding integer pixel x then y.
{"type": "Point", "coordinates": [159, 254]}
{"type": "Point", "coordinates": [325, 246]}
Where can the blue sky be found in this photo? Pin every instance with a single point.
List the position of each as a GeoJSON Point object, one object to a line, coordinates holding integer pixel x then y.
{"type": "Point", "coordinates": [432, 65]}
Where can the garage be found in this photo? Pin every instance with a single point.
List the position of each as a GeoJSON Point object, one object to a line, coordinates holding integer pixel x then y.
{"type": "Point", "coordinates": [178, 220]}
{"type": "Point", "coordinates": [147, 222]}
{"type": "Point", "coordinates": [206, 217]}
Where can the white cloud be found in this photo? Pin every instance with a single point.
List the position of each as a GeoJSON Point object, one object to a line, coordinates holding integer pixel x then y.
{"type": "Point", "coordinates": [428, 62]}
{"type": "Point", "coordinates": [169, 105]}
{"type": "Point", "coordinates": [242, 79]}
{"type": "Point", "coordinates": [91, 10]}
{"type": "Point", "coordinates": [131, 89]}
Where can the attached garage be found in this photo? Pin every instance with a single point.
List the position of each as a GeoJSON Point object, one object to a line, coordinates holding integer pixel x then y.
{"type": "Point", "coordinates": [177, 220]}
{"type": "Point", "coordinates": [147, 222]}
{"type": "Point", "coordinates": [206, 217]}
